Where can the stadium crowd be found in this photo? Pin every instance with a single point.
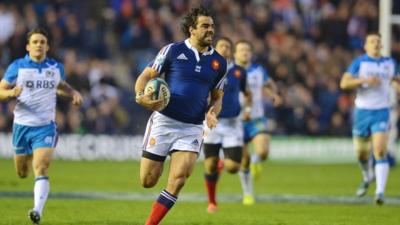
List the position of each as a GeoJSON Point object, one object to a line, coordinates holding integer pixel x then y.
{"type": "Point", "coordinates": [305, 45]}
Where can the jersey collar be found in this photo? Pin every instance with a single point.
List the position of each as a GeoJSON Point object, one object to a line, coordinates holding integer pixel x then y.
{"type": "Point", "coordinates": [28, 59]}
{"type": "Point", "coordinates": [196, 53]}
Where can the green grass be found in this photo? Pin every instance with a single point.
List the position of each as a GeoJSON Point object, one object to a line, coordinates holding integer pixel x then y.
{"type": "Point", "coordinates": [278, 178]}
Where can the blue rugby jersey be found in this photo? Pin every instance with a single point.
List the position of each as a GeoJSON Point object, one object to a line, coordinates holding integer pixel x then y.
{"type": "Point", "coordinates": [235, 83]}
{"type": "Point", "coordinates": [385, 69]}
{"type": "Point", "coordinates": [190, 76]}
{"type": "Point", "coordinates": [36, 104]}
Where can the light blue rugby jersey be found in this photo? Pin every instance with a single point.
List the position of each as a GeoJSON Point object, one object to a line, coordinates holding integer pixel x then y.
{"type": "Point", "coordinates": [37, 103]}
{"type": "Point", "coordinates": [257, 76]}
{"type": "Point", "coordinates": [373, 97]}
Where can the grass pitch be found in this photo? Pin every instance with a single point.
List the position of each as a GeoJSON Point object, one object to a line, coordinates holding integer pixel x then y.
{"type": "Point", "coordinates": [95, 193]}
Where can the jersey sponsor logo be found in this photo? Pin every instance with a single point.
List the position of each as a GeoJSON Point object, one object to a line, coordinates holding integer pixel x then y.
{"type": "Point", "coordinates": [237, 73]}
{"type": "Point", "coordinates": [40, 84]}
{"type": "Point", "coordinates": [215, 64]}
{"type": "Point", "coordinates": [197, 69]}
{"type": "Point", "coordinates": [182, 57]}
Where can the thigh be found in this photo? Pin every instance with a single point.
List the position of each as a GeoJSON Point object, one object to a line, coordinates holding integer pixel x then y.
{"type": "Point", "coordinates": [41, 160]}
{"type": "Point", "coordinates": [42, 156]}
{"type": "Point", "coordinates": [150, 168]}
{"type": "Point", "coordinates": [22, 162]}
{"type": "Point", "coordinates": [20, 140]}
{"type": "Point", "coordinates": [379, 142]}
{"type": "Point", "coordinates": [362, 146]}
{"type": "Point", "coordinates": [261, 142]}
{"type": "Point", "coordinates": [43, 137]}
{"type": "Point", "coordinates": [182, 164]}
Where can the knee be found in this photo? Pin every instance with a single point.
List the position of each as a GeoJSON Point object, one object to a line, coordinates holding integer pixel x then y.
{"type": "Point", "coordinates": [22, 173]}
{"type": "Point", "coordinates": [148, 182]}
{"type": "Point", "coordinates": [379, 155]}
{"type": "Point", "coordinates": [41, 169]}
{"type": "Point", "coordinates": [233, 168]}
{"type": "Point", "coordinates": [264, 155]}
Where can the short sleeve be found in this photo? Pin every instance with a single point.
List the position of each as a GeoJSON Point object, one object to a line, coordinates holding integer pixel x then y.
{"type": "Point", "coordinates": [60, 66]}
{"type": "Point", "coordinates": [396, 68]}
{"type": "Point", "coordinates": [354, 67]}
{"type": "Point", "coordinates": [243, 81]}
{"type": "Point", "coordinates": [11, 73]}
{"type": "Point", "coordinates": [162, 61]}
{"type": "Point", "coordinates": [265, 75]}
{"type": "Point", "coordinates": [220, 81]}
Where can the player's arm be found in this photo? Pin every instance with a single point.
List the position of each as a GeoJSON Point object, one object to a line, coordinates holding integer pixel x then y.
{"type": "Point", "coordinates": [159, 65]}
{"type": "Point", "coordinates": [65, 90]}
{"type": "Point", "coordinates": [396, 84]}
{"type": "Point", "coordinates": [215, 107]}
{"type": "Point", "coordinates": [142, 99]}
{"type": "Point", "coordinates": [271, 91]}
{"type": "Point", "coordinates": [248, 98]}
{"type": "Point", "coordinates": [349, 82]}
{"type": "Point", "coordinates": [7, 91]}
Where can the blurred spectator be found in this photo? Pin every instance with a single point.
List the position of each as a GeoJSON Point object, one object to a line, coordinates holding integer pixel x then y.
{"type": "Point", "coordinates": [305, 45]}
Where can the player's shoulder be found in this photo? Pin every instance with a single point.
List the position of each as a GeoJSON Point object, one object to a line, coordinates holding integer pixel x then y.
{"type": "Point", "coordinates": [19, 62]}
{"type": "Point", "coordinates": [219, 58]}
{"type": "Point", "coordinates": [51, 62]}
{"type": "Point", "coordinates": [240, 68]}
{"type": "Point", "coordinates": [173, 47]}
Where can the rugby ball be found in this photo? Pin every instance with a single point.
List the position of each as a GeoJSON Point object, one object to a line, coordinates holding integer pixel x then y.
{"type": "Point", "coordinates": [160, 91]}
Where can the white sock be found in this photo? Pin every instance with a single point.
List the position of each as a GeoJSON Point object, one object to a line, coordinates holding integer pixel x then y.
{"type": "Point", "coordinates": [41, 191]}
{"type": "Point", "coordinates": [247, 182]}
{"type": "Point", "coordinates": [364, 166]}
{"type": "Point", "coordinates": [381, 174]}
{"type": "Point", "coordinates": [255, 158]}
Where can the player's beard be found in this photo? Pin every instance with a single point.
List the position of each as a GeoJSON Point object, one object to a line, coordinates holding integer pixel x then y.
{"type": "Point", "coordinates": [207, 39]}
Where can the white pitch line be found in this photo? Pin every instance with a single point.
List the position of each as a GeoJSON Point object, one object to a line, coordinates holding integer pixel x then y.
{"type": "Point", "coordinates": [197, 197]}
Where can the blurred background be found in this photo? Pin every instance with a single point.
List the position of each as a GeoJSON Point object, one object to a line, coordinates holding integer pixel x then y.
{"type": "Point", "coordinates": [306, 45]}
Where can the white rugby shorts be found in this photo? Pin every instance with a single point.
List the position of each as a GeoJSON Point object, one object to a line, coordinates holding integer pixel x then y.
{"type": "Point", "coordinates": [228, 133]}
{"type": "Point", "coordinates": [164, 134]}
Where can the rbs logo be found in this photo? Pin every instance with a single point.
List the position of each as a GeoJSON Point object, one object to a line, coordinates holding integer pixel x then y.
{"type": "Point", "coordinates": [45, 84]}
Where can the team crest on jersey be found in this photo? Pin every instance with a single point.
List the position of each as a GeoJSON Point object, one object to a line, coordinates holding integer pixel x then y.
{"type": "Point", "coordinates": [237, 73]}
{"type": "Point", "coordinates": [49, 73]}
{"type": "Point", "coordinates": [215, 64]}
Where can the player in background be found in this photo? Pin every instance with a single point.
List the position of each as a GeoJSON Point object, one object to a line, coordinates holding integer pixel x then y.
{"type": "Point", "coordinates": [34, 81]}
{"type": "Point", "coordinates": [193, 71]}
{"type": "Point", "coordinates": [393, 132]}
{"type": "Point", "coordinates": [255, 123]}
{"type": "Point", "coordinates": [228, 134]}
{"type": "Point", "coordinates": [371, 75]}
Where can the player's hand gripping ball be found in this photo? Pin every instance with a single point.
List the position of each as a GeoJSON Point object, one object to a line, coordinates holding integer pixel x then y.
{"type": "Point", "coordinates": [160, 91]}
